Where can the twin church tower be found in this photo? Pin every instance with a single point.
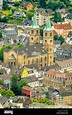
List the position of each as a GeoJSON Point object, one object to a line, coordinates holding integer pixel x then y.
{"type": "Point", "coordinates": [48, 38]}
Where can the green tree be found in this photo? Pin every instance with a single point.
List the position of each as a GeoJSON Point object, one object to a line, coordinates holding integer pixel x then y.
{"type": "Point", "coordinates": [5, 5]}
{"type": "Point", "coordinates": [70, 9]}
{"type": "Point", "coordinates": [2, 51]}
{"type": "Point", "coordinates": [22, 83]}
{"type": "Point", "coordinates": [10, 93]}
{"type": "Point", "coordinates": [46, 101]}
{"type": "Point", "coordinates": [42, 3]}
{"type": "Point", "coordinates": [56, 37]}
{"type": "Point", "coordinates": [61, 39]}
{"type": "Point", "coordinates": [7, 93]}
{"type": "Point", "coordinates": [57, 17]}
{"type": "Point", "coordinates": [3, 92]}
{"type": "Point", "coordinates": [1, 82]}
{"type": "Point", "coordinates": [0, 34]}
{"type": "Point", "coordinates": [15, 86]}
{"type": "Point", "coordinates": [16, 4]}
{"type": "Point", "coordinates": [30, 14]}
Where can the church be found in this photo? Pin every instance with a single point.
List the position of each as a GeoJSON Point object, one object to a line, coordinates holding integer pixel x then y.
{"type": "Point", "coordinates": [34, 52]}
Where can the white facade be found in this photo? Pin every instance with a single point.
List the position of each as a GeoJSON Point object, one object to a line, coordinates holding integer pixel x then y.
{"type": "Point", "coordinates": [1, 4]}
{"type": "Point", "coordinates": [34, 84]}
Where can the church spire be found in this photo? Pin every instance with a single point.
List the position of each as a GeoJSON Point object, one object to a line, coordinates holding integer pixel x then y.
{"type": "Point", "coordinates": [34, 23]}
{"type": "Point", "coordinates": [48, 25]}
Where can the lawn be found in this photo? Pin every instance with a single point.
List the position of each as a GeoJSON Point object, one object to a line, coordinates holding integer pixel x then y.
{"type": "Point", "coordinates": [6, 12]}
{"type": "Point", "coordinates": [15, 21]}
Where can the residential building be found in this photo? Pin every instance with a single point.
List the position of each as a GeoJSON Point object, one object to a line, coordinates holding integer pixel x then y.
{"type": "Point", "coordinates": [65, 65]}
{"type": "Point", "coordinates": [69, 38]}
{"type": "Point", "coordinates": [34, 52]}
{"type": "Point", "coordinates": [19, 14]}
{"type": "Point", "coordinates": [58, 79]}
{"type": "Point", "coordinates": [62, 29]}
{"type": "Point", "coordinates": [41, 16]}
{"type": "Point", "coordinates": [27, 5]}
{"type": "Point", "coordinates": [9, 31]}
{"type": "Point", "coordinates": [63, 52]}
{"type": "Point", "coordinates": [60, 96]}
{"type": "Point", "coordinates": [28, 91]}
{"type": "Point", "coordinates": [6, 79]}
{"type": "Point", "coordinates": [1, 4]}
{"type": "Point", "coordinates": [32, 81]}
{"type": "Point", "coordinates": [68, 18]}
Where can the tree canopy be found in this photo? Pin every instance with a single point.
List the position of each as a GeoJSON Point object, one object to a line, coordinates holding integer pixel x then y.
{"type": "Point", "coordinates": [8, 93]}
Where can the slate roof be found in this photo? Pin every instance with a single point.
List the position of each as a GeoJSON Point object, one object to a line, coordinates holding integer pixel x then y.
{"type": "Point", "coordinates": [69, 16]}
{"type": "Point", "coordinates": [3, 99]}
{"type": "Point", "coordinates": [24, 4]}
{"type": "Point", "coordinates": [30, 50]}
{"type": "Point", "coordinates": [70, 34]}
{"type": "Point", "coordinates": [30, 79]}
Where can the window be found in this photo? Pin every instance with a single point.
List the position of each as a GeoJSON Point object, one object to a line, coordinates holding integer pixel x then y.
{"type": "Point", "coordinates": [32, 38]}
{"type": "Point", "coordinates": [50, 49]}
{"type": "Point", "coordinates": [50, 40]}
{"type": "Point", "coordinates": [45, 58]}
{"type": "Point", "coordinates": [50, 57]}
{"type": "Point", "coordinates": [45, 40]}
{"type": "Point", "coordinates": [45, 64]}
{"type": "Point", "coordinates": [41, 59]}
{"type": "Point", "coordinates": [37, 60]}
{"type": "Point", "coordinates": [32, 31]}
{"type": "Point", "coordinates": [28, 61]}
{"type": "Point", "coordinates": [24, 56]}
{"type": "Point", "coordinates": [33, 61]}
{"type": "Point", "coordinates": [45, 34]}
{"type": "Point", "coordinates": [50, 34]}
{"type": "Point", "coordinates": [36, 31]}
{"type": "Point", "coordinates": [24, 63]}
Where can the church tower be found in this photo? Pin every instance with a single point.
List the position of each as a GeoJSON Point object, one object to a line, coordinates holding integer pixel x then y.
{"type": "Point", "coordinates": [48, 41]}
{"type": "Point", "coordinates": [34, 32]}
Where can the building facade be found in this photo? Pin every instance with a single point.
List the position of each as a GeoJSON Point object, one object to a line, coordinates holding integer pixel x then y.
{"type": "Point", "coordinates": [58, 79]}
{"type": "Point", "coordinates": [34, 52]}
{"type": "Point", "coordinates": [1, 4]}
{"type": "Point", "coordinates": [62, 29]}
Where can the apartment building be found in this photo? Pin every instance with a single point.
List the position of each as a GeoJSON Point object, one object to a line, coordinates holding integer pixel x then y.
{"type": "Point", "coordinates": [57, 79]}
{"type": "Point", "coordinates": [62, 29]}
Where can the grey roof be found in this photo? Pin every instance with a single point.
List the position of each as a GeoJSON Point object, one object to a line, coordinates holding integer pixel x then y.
{"type": "Point", "coordinates": [3, 71]}
{"type": "Point", "coordinates": [3, 99]}
{"type": "Point", "coordinates": [6, 77]}
{"type": "Point", "coordinates": [66, 93]}
{"type": "Point", "coordinates": [30, 50]}
{"type": "Point", "coordinates": [35, 66]}
{"type": "Point", "coordinates": [30, 79]}
{"type": "Point", "coordinates": [70, 34]}
{"type": "Point", "coordinates": [69, 16]}
{"type": "Point", "coordinates": [55, 67]}
{"type": "Point", "coordinates": [66, 47]}
{"type": "Point", "coordinates": [24, 4]}
{"type": "Point", "coordinates": [27, 22]}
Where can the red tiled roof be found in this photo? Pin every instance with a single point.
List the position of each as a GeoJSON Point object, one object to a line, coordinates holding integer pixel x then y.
{"type": "Point", "coordinates": [58, 74]}
{"type": "Point", "coordinates": [52, 72]}
{"type": "Point", "coordinates": [62, 26]}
